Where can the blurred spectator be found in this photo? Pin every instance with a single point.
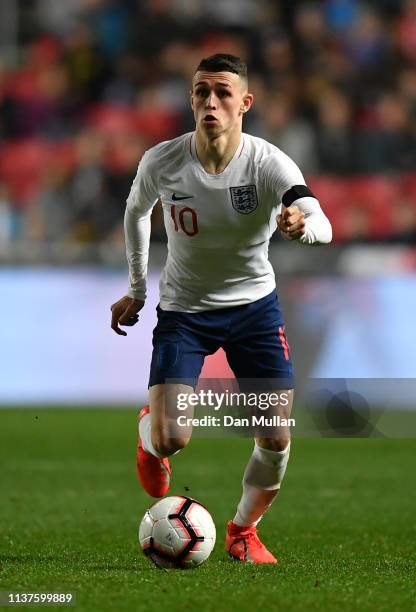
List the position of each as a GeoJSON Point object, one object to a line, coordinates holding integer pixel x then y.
{"type": "Point", "coordinates": [58, 17]}
{"type": "Point", "coordinates": [335, 135]}
{"type": "Point", "coordinates": [278, 58]}
{"type": "Point", "coordinates": [406, 30]}
{"type": "Point", "coordinates": [368, 40]}
{"type": "Point", "coordinates": [6, 106]}
{"type": "Point", "coordinates": [390, 144]}
{"type": "Point", "coordinates": [341, 14]}
{"type": "Point", "coordinates": [88, 188]}
{"type": "Point", "coordinates": [295, 136]}
{"type": "Point", "coordinates": [121, 86]}
{"type": "Point", "coordinates": [311, 35]}
{"type": "Point", "coordinates": [109, 23]}
{"type": "Point", "coordinates": [51, 217]}
{"type": "Point", "coordinates": [243, 13]}
{"type": "Point", "coordinates": [157, 25]}
{"type": "Point", "coordinates": [87, 70]}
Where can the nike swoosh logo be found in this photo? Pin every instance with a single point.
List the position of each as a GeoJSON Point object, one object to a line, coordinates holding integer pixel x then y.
{"type": "Point", "coordinates": [176, 198]}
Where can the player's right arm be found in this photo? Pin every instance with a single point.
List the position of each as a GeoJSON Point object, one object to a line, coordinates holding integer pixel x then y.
{"type": "Point", "coordinates": [142, 198]}
{"type": "Point", "coordinates": [125, 312]}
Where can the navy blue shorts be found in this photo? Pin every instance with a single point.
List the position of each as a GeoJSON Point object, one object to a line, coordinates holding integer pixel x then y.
{"type": "Point", "coordinates": [252, 336]}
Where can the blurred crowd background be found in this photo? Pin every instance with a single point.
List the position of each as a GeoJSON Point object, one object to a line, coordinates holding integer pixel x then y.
{"type": "Point", "coordinates": [87, 85]}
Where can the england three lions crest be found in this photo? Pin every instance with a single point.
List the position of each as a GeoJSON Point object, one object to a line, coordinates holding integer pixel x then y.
{"type": "Point", "coordinates": [244, 199]}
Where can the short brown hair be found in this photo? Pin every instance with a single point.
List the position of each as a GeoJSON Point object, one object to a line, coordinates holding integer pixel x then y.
{"type": "Point", "coordinates": [223, 62]}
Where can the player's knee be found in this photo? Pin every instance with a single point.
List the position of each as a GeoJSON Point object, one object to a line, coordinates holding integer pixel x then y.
{"type": "Point", "coordinates": [168, 446]}
{"type": "Point", "coordinates": [274, 444]}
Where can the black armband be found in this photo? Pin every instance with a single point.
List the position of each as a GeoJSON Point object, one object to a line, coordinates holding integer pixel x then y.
{"type": "Point", "coordinates": [296, 192]}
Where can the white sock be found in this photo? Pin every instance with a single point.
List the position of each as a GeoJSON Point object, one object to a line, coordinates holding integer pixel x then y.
{"type": "Point", "coordinates": [262, 479]}
{"type": "Point", "coordinates": [146, 436]}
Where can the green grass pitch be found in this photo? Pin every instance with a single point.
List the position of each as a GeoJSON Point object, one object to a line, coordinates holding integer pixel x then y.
{"type": "Point", "coordinates": [344, 527]}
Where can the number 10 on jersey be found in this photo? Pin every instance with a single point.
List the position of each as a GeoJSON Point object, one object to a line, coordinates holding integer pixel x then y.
{"type": "Point", "coordinates": [185, 219]}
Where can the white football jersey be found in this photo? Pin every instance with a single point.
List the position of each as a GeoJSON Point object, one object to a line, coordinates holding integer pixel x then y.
{"type": "Point", "coordinates": [218, 225]}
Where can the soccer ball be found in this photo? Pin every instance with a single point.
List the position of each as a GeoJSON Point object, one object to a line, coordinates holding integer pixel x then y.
{"type": "Point", "coordinates": [177, 532]}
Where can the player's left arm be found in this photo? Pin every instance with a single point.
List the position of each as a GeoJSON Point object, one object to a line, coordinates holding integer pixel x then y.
{"type": "Point", "coordinates": [302, 218]}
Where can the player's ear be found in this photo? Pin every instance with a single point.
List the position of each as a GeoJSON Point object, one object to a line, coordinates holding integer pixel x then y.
{"type": "Point", "coordinates": [247, 102]}
{"type": "Point", "coordinates": [191, 98]}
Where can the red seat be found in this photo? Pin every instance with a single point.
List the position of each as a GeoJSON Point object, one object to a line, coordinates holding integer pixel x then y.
{"type": "Point", "coordinates": [378, 195]}
{"type": "Point", "coordinates": [21, 167]}
{"type": "Point", "coordinates": [111, 119]}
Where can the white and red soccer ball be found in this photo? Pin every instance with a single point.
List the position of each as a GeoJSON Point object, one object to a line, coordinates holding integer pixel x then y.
{"type": "Point", "coordinates": [177, 532]}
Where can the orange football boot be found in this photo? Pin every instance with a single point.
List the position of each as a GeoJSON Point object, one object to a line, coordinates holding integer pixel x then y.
{"type": "Point", "coordinates": [243, 544]}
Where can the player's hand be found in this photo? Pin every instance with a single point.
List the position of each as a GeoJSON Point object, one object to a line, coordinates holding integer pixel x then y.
{"type": "Point", "coordinates": [291, 223]}
{"type": "Point", "coordinates": [125, 312]}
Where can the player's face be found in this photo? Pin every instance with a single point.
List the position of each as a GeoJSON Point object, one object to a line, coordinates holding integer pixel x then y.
{"type": "Point", "coordinates": [219, 100]}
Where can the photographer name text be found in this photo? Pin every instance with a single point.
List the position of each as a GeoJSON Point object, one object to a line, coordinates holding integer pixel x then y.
{"type": "Point", "coordinates": [230, 421]}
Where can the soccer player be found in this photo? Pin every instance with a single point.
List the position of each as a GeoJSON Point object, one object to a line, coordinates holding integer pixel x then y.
{"type": "Point", "coordinates": [223, 193]}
